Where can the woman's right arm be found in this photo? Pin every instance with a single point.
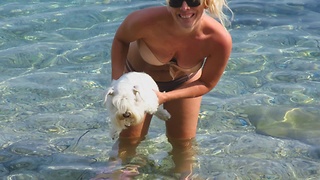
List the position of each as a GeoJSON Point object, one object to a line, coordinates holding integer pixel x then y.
{"type": "Point", "coordinates": [131, 29]}
{"type": "Point", "coordinates": [119, 53]}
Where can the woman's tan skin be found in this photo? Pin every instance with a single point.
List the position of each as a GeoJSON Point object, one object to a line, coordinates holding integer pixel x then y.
{"type": "Point", "coordinates": [189, 35]}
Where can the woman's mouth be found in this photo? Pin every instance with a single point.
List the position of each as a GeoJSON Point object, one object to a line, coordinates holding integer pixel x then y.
{"type": "Point", "coordinates": [186, 16]}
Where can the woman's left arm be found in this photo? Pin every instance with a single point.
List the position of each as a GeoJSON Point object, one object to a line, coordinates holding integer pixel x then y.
{"type": "Point", "coordinates": [212, 71]}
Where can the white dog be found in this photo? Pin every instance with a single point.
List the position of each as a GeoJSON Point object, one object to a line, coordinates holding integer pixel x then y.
{"type": "Point", "coordinates": [129, 98]}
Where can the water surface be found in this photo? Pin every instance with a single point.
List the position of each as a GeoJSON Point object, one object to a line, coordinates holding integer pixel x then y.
{"type": "Point", "coordinates": [260, 122]}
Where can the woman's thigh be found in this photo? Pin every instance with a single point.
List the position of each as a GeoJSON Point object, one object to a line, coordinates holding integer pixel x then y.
{"type": "Point", "coordinates": [138, 131]}
{"type": "Point", "coordinates": [184, 118]}
{"type": "Point", "coordinates": [182, 124]}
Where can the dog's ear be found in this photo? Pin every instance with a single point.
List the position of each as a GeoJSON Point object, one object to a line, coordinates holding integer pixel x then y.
{"type": "Point", "coordinates": [110, 92]}
{"type": "Point", "coordinates": [135, 90]}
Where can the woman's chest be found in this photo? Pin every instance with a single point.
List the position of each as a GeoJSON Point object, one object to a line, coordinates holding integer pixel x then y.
{"type": "Point", "coordinates": [187, 52]}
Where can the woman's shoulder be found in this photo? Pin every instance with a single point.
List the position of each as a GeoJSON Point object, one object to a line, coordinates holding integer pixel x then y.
{"type": "Point", "coordinates": [139, 23]}
{"type": "Point", "coordinates": [149, 14]}
{"type": "Point", "coordinates": [216, 36]}
{"type": "Point", "coordinates": [217, 31]}
{"type": "Point", "coordinates": [145, 19]}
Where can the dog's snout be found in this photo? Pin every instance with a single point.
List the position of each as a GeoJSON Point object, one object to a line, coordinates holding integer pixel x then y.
{"type": "Point", "coordinates": [126, 114]}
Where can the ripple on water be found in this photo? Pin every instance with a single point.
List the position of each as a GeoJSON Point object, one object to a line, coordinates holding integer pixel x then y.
{"type": "Point", "coordinates": [293, 123]}
{"type": "Point", "coordinates": [55, 64]}
{"type": "Point", "coordinates": [245, 155]}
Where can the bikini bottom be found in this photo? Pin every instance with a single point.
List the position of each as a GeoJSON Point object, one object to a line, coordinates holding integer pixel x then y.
{"type": "Point", "coordinates": [165, 86]}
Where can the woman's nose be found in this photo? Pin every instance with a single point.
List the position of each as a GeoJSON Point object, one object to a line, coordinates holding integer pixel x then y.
{"type": "Point", "coordinates": [184, 6]}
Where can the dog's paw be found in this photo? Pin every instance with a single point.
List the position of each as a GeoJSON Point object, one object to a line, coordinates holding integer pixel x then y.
{"type": "Point", "coordinates": [163, 114]}
{"type": "Point", "coordinates": [114, 134]}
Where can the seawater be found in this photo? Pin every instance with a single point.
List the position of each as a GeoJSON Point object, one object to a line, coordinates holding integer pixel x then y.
{"type": "Point", "coordinates": [260, 122]}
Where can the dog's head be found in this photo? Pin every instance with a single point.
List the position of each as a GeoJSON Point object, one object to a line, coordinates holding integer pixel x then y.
{"type": "Point", "coordinates": [124, 105]}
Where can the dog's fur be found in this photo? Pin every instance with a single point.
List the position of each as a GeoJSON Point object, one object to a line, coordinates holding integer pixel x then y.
{"type": "Point", "coordinates": [129, 98]}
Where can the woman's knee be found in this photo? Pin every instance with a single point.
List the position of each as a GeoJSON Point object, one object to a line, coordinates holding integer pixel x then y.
{"type": "Point", "coordinates": [137, 131]}
{"type": "Point", "coordinates": [183, 154]}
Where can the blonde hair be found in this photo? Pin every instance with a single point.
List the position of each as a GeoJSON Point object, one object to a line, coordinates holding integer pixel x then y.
{"type": "Point", "coordinates": [215, 9]}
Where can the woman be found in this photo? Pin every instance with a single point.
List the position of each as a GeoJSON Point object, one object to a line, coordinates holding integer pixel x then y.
{"type": "Point", "coordinates": [184, 50]}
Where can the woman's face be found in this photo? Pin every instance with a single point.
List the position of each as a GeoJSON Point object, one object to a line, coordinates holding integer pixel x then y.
{"type": "Point", "coordinates": [185, 16]}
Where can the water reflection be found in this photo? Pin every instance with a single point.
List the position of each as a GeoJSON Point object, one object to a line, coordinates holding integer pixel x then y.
{"type": "Point", "coordinates": [260, 122]}
{"type": "Point", "coordinates": [179, 161]}
{"type": "Point", "coordinates": [285, 122]}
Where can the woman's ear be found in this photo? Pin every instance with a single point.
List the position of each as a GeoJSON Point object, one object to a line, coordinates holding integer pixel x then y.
{"type": "Point", "coordinates": [205, 4]}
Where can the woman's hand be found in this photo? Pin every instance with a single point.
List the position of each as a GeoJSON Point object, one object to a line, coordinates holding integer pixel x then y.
{"type": "Point", "coordinates": [161, 96]}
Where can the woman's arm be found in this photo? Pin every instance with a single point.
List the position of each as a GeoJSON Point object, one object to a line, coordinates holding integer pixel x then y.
{"type": "Point", "coordinates": [212, 71]}
{"type": "Point", "coordinates": [130, 30]}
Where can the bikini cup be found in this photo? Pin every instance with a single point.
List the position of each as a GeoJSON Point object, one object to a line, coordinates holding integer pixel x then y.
{"type": "Point", "coordinates": [174, 69]}
{"type": "Point", "coordinates": [147, 54]}
{"type": "Point", "coordinates": [177, 71]}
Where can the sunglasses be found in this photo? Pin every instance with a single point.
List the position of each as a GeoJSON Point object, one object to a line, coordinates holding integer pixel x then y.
{"type": "Point", "coordinates": [178, 3]}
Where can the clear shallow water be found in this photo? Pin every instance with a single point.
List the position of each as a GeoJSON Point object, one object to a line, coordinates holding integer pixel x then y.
{"type": "Point", "coordinates": [260, 122]}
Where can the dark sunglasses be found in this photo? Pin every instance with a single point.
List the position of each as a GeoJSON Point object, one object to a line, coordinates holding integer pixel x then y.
{"type": "Point", "coordinates": [178, 3]}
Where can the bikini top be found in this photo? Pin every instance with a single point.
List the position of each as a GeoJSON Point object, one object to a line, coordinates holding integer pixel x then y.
{"type": "Point", "coordinates": [174, 69]}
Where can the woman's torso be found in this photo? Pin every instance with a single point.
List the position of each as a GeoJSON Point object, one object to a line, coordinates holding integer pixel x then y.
{"type": "Point", "coordinates": [160, 44]}
{"type": "Point", "coordinates": [143, 59]}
